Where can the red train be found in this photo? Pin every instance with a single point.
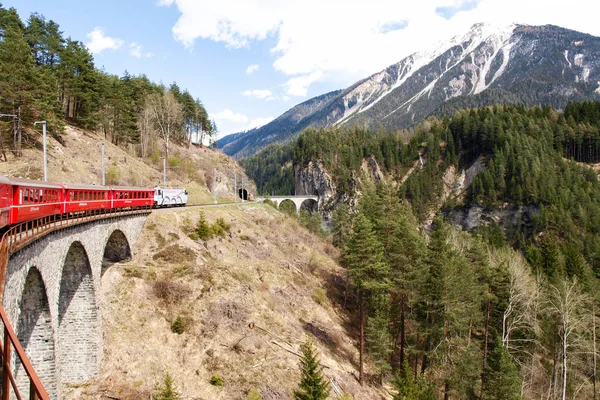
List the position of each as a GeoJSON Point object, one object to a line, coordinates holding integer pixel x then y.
{"type": "Point", "coordinates": [24, 200]}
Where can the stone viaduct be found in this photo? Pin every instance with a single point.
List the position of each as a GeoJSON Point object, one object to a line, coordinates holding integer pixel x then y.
{"type": "Point", "coordinates": [52, 298]}
{"type": "Point", "coordinates": [297, 200]}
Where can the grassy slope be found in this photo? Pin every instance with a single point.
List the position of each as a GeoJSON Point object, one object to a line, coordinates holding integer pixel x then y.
{"type": "Point", "coordinates": [268, 270]}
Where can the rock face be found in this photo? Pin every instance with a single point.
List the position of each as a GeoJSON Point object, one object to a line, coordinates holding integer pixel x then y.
{"type": "Point", "coordinates": [473, 217]}
{"type": "Point", "coordinates": [315, 180]}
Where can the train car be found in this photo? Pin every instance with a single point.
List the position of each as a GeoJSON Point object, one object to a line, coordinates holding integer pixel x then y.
{"type": "Point", "coordinates": [34, 199]}
{"type": "Point", "coordinates": [170, 197]}
{"type": "Point", "coordinates": [5, 200]}
{"type": "Point", "coordinates": [132, 197]}
{"type": "Point", "coordinates": [83, 198]}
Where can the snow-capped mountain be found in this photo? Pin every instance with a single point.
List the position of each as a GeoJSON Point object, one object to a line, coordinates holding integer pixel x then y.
{"type": "Point", "coordinates": [488, 65]}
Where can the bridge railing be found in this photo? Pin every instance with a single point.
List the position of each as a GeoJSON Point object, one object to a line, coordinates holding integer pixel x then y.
{"type": "Point", "coordinates": [36, 389]}
{"type": "Point", "coordinates": [14, 240]}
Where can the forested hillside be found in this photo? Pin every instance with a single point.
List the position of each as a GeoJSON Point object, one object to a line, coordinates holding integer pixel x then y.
{"type": "Point", "coordinates": [506, 311]}
{"type": "Point", "coordinates": [45, 76]}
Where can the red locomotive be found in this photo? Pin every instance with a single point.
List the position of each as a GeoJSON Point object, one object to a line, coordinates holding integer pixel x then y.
{"type": "Point", "coordinates": [24, 200]}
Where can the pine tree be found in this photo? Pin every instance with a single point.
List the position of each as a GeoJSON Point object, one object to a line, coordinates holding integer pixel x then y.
{"type": "Point", "coordinates": [501, 376]}
{"type": "Point", "coordinates": [313, 385]}
{"type": "Point", "coordinates": [369, 273]}
{"type": "Point", "coordinates": [167, 390]}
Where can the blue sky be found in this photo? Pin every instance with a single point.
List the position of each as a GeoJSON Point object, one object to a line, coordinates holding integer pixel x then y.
{"type": "Point", "coordinates": [251, 60]}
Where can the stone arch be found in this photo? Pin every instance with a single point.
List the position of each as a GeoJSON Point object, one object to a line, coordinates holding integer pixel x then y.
{"type": "Point", "coordinates": [36, 335]}
{"type": "Point", "coordinates": [117, 249]}
{"type": "Point", "coordinates": [310, 205]}
{"type": "Point", "coordinates": [286, 204]}
{"type": "Point", "coordinates": [243, 194]}
{"type": "Point", "coordinates": [78, 325]}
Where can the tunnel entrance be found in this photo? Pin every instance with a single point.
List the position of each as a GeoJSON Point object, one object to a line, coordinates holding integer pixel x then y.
{"type": "Point", "coordinates": [243, 194]}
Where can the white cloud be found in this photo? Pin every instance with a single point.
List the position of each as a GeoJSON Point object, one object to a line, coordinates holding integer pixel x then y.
{"type": "Point", "coordinates": [265, 94]}
{"type": "Point", "coordinates": [135, 50]}
{"type": "Point", "coordinates": [98, 42]}
{"type": "Point", "coordinates": [229, 116]}
{"type": "Point", "coordinates": [258, 122]}
{"type": "Point", "coordinates": [252, 69]}
{"type": "Point", "coordinates": [298, 86]}
{"type": "Point", "coordinates": [341, 41]}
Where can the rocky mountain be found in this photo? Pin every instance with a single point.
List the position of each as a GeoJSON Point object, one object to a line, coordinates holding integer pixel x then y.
{"type": "Point", "coordinates": [294, 120]}
{"type": "Point", "coordinates": [511, 64]}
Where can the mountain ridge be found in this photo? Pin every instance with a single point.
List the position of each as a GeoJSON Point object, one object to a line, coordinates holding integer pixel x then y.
{"type": "Point", "coordinates": [510, 64]}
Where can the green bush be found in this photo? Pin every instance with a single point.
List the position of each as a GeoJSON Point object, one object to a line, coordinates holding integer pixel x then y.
{"type": "Point", "coordinates": [216, 381]}
{"type": "Point", "coordinates": [167, 390]}
{"type": "Point", "coordinates": [179, 325]}
{"type": "Point", "coordinates": [174, 161]}
{"type": "Point", "coordinates": [319, 295]}
{"type": "Point", "coordinates": [204, 231]}
{"type": "Point", "coordinates": [202, 228]}
{"type": "Point", "coordinates": [254, 394]}
{"type": "Point", "coordinates": [112, 175]}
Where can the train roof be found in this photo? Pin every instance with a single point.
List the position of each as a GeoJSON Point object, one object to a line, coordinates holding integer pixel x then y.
{"type": "Point", "coordinates": [30, 182]}
{"type": "Point", "coordinates": [142, 189]}
{"type": "Point", "coordinates": [85, 187]}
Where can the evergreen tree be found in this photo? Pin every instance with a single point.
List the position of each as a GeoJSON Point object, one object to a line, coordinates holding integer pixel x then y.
{"type": "Point", "coordinates": [167, 390]}
{"type": "Point", "coordinates": [313, 385]}
{"type": "Point", "coordinates": [369, 274]}
{"type": "Point", "coordinates": [502, 380]}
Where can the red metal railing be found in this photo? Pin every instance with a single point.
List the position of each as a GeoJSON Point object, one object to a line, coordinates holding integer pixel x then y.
{"type": "Point", "coordinates": [14, 240]}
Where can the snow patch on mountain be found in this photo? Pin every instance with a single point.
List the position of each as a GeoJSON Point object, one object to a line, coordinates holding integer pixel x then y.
{"type": "Point", "coordinates": [493, 39]}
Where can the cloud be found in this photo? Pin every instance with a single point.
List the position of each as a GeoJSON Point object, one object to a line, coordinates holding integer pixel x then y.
{"type": "Point", "coordinates": [298, 86]}
{"type": "Point", "coordinates": [229, 116]}
{"type": "Point", "coordinates": [342, 41]}
{"type": "Point", "coordinates": [98, 42]}
{"type": "Point", "coordinates": [135, 50]}
{"type": "Point", "coordinates": [252, 69]}
{"type": "Point", "coordinates": [265, 94]}
{"type": "Point", "coordinates": [258, 122]}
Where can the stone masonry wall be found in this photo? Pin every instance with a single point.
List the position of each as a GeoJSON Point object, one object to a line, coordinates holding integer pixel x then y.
{"type": "Point", "coordinates": [70, 267]}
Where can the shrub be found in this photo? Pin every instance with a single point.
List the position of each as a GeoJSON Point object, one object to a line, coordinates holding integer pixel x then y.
{"type": "Point", "coordinates": [170, 292]}
{"type": "Point", "coordinates": [216, 381]}
{"type": "Point", "coordinates": [254, 394]}
{"type": "Point", "coordinates": [175, 254]}
{"type": "Point", "coordinates": [167, 390]}
{"type": "Point", "coordinates": [204, 231]}
{"type": "Point", "coordinates": [202, 228]}
{"type": "Point", "coordinates": [319, 295]}
{"type": "Point", "coordinates": [271, 203]}
{"type": "Point", "coordinates": [174, 161]}
{"type": "Point", "coordinates": [179, 325]}
{"type": "Point", "coordinates": [112, 175]}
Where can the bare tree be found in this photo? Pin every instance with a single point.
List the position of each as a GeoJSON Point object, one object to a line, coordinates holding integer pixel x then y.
{"type": "Point", "coordinates": [147, 131]}
{"type": "Point", "coordinates": [166, 114]}
{"type": "Point", "coordinates": [568, 304]}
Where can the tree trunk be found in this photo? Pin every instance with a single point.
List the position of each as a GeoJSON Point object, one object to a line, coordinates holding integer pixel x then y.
{"type": "Point", "coordinates": [555, 359]}
{"type": "Point", "coordinates": [402, 329]}
{"type": "Point", "coordinates": [362, 341]}
{"type": "Point", "coordinates": [595, 376]}
{"type": "Point", "coordinates": [564, 348]}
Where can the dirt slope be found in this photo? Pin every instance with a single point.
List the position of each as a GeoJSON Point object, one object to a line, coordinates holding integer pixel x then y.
{"type": "Point", "coordinates": [267, 271]}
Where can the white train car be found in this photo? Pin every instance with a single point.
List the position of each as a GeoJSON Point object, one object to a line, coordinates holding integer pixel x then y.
{"type": "Point", "coordinates": [170, 197]}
